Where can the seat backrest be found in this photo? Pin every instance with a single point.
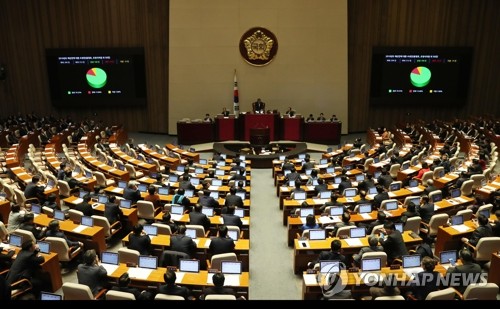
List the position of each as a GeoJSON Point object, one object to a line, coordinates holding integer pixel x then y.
{"type": "Point", "coordinates": [126, 255]}
{"type": "Point", "coordinates": [368, 162]}
{"type": "Point", "coordinates": [161, 296]}
{"type": "Point", "coordinates": [394, 297]}
{"type": "Point", "coordinates": [437, 171]}
{"type": "Point", "coordinates": [436, 221]}
{"type": "Point", "coordinates": [171, 258]}
{"type": "Point", "coordinates": [414, 160]}
{"type": "Point", "coordinates": [104, 223]}
{"type": "Point", "coordinates": [25, 234]}
{"type": "Point", "coordinates": [119, 295]}
{"type": "Point", "coordinates": [370, 255]}
{"type": "Point", "coordinates": [413, 224]}
{"type": "Point", "coordinates": [481, 291]}
{"type": "Point", "coordinates": [3, 232]}
{"type": "Point", "coordinates": [146, 210]}
{"type": "Point", "coordinates": [76, 291]}
{"type": "Point", "coordinates": [60, 246]}
{"type": "Point", "coordinates": [466, 188]}
{"type": "Point", "coordinates": [64, 188]}
{"type": "Point", "coordinates": [163, 229]}
{"type": "Point", "coordinates": [383, 204]}
{"type": "Point", "coordinates": [130, 169]}
{"type": "Point", "coordinates": [408, 199]}
{"type": "Point", "coordinates": [100, 179]}
{"type": "Point", "coordinates": [344, 230]}
{"type": "Point", "coordinates": [446, 294]}
{"type": "Point", "coordinates": [488, 206]}
{"type": "Point", "coordinates": [477, 178]}
{"type": "Point", "coordinates": [432, 193]}
{"type": "Point", "coordinates": [377, 229]}
{"type": "Point", "coordinates": [20, 198]}
{"type": "Point", "coordinates": [200, 230]}
{"type": "Point", "coordinates": [234, 228]}
{"type": "Point", "coordinates": [393, 171]}
{"type": "Point", "coordinates": [466, 213]}
{"type": "Point", "coordinates": [427, 175]}
{"type": "Point", "coordinates": [220, 297]}
{"type": "Point", "coordinates": [75, 215]}
{"type": "Point", "coordinates": [48, 211]}
{"type": "Point", "coordinates": [485, 247]}
{"type": "Point", "coordinates": [218, 258]}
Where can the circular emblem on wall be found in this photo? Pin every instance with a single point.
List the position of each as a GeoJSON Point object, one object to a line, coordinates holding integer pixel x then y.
{"type": "Point", "coordinates": [258, 46]}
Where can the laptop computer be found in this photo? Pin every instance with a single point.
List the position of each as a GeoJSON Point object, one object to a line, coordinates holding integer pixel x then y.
{"type": "Point", "coordinates": [325, 194]}
{"type": "Point", "coordinates": [330, 170]}
{"type": "Point", "coordinates": [329, 266]}
{"type": "Point", "coordinates": [308, 171]}
{"type": "Point", "coordinates": [372, 190]}
{"type": "Point", "coordinates": [241, 194]}
{"type": "Point", "coordinates": [122, 184]}
{"type": "Point", "coordinates": [191, 233]}
{"type": "Point", "coordinates": [208, 211]}
{"type": "Point", "coordinates": [337, 180]}
{"type": "Point", "coordinates": [44, 246]}
{"type": "Point", "coordinates": [392, 205]}
{"type": "Point", "coordinates": [36, 209]}
{"type": "Point", "coordinates": [360, 177]}
{"type": "Point", "coordinates": [103, 199]}
{"type": "Point", "coordinates": [323, 161]}
{"type": "Point", "coordinates": [286, 172]}
{"type": "Point", "coordinates": [336, 210]}
{"type": "Point", "coordinates": [190, 266]}
{"type": "Point", "coordinates": [88, 174]}
{"type": "Point", "coordinates": [405, 166]}
{"type": "Point", "coordinates": [180, 168]}
{"type": "Point", "coordinates": [87, 221]}
{"type": "Point", "coordinates": [198, 170]}
{"type": "Point", "coordinates": [148, 261]}
{"type": "Point", "coordinates": [395, 186]}
{"type": "Point", "coordinates": [317, 234]}
{"type": "Point", "coordinates": [315, 182]}
{"type": "Point", "coordinates": [291, 183]}
{"type": "Point", "coordinates": [153, 175]}
{"type": "Point", "coordinates": [50, 296]}
{"type": "Point", "coordinates": [377, 174]}
{"type": "Point", "coordinates": [177, 210]}
{"type": "Point", "coordinates": [50, 184]}
{"type": "Point", "coordinates": [221, 163]}
{"type": "Point", "coordinates": [127, 204]}
{"type": "Point", "coordinates": [120, 166]}
{"type": "Point", "coordinates": [59, 215]}
{"type": "Point", "coordinates": [219, 172]}
{"type": "Point", "coordinates": [203, 161]}
{"type": "Point", "coordinates": [240, 212]}
{"type": "Point", "coordinates": [448, 258]}
{"type": "Point", "coordinates": [413, 183]}
{"type": "Point", "coordinates": [411, 264]}
{"type": "Point", "coordinates": [189, 193]}
{"type": "Point", "coordinates": [457, 220]}
{"type": "Point", "coordinates": [82, 193]}
{"type": "Point", "coordinates": [15, 240]}
{"type": "Point", "coordinates": [349, 166]}
{"type": "Point", "coordinates": [484, 212]}
{"type": "Point", "coordinates": [454, 193]}
{"type": "Point", "coordinates": [357, 232]}
{"type": "Point", "coordinates": [194, 181]}
{"type": "Point", "coordinates": [231, 267]}
{"type": "Point", "coordinates": [163, 190]}
{"type": "Point", "coordinates": [301, 156]}
{"type": "Point", "coordinates": [415, 200]}
{"type": "Point", "coordinates": [109, 258]}
{"type": "Point", "coordinates": [364, 208]}
{"type": "Point", "coordinates": [151, 230]}
{"type": "Point", "coordinates": [233, 234]}
{"type": "Point", "coordinates": [215, 194]}
{"type": "Point", "coordinates": [369, 270]}
{"type": "Point", "coordinates": [399, 227]}
{"type": "Point", "coordinates": [216, 182]}
{"type": "Point", "coordinates": [142, 187]}
{"type": "Point", "coordinates": [173, 178]}
{"type": "Point", "coordinates": [299, 195]}
{"type": "Point", "coordinates": [350, 192]}
{"type": "Point", "coordinates": [437, 197]}
{"type": "Point", "coordinates": [304, 212]}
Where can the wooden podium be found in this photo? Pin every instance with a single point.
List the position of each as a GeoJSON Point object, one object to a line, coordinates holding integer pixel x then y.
{"type": "Point", "coordinates": [226, 128]}
{"type": "Point", "coordinates": [252, 121]}
{"type": "Point", "coordinates": [259, 136]}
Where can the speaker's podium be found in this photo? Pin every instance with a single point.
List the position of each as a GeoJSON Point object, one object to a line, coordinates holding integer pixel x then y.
{"type": "Point", "coordinates": [226, 128]}
{"type": "Point", "coordinates": [260, 136]}
{"type": "Point", "coordinates": [259, 121]}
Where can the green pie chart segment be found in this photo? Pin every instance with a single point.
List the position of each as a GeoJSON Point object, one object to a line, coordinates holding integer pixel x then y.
{"type": "Point", "coordinates": [420, 76]}
{"type": "Point", "coordinates": [96, 78]}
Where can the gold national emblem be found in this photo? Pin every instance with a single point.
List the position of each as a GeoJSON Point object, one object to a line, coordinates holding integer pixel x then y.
{"type": "Point", "coordinates": [258, 46]}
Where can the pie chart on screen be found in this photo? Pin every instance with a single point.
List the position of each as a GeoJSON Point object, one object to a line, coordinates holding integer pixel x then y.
{"type": "Point", "coordinates": [420, 76]}
{"type": "Point", "coordinates": [96, 78]}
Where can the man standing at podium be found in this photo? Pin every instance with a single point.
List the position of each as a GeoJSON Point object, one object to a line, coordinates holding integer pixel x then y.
{"type": "Point", "coordinates": [259, 106]}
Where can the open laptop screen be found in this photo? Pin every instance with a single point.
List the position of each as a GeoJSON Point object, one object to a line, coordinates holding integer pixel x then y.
{"type": "Point", "coordinates": [316, 234]}
{"type": "Point", "coordinates": [329, 266]}
{"type": "Point", "coordinates": [231, 267]}
{"type": "Point", "coordinates": [299, 195]}
{"type": "Point", "coordinates": [122, 184]}
{"type": "Point", "coordinates": [395, 186]}
{"type": "Point", "coordinates": [325, 194]}
{"type": "Point", "coordinates": [177, 209]}
{"type": "Point", "coordinates": [82, 193]}
{"type": "Point", "coordinates": [219, 172]}
{"type": "Point", "coordinates": [215, 194]}
{"type": "Point", "coordinates": [59, 215]}
{"type": "Point", "coordinates": [323, 161]}
{"type": "Point", "coordinates": [336, 210]}
{"type": "Point", "coordinates": [485, 212]}
{"type": "Point", "coordinates": [374, 264]}
{"type": "Point", "coordinates": [351, 192]}
{"type": "Point", "coordinates": [147, 261]}
{"type": "Point", "coordinates": [103, 199]}
{"type": "Point", "coordinates": [198, 170]}
{"type": "Point", "coordinates": [415, 200]}
{"type": "Point", "coordinates": [87, 221]}
{"type": "Point", "coordinates": [455, 193]}
{"type": "Point", "coordinates": [50, 296]}
{"type": "Point", "coordinates": [304, 212]}
{"type": "Point", "coordinates": [405, 166]}
{"type": "Point", "coordinates": [203, 161]}
{"type": "Point", "coordinates": [447, 256]}
{"type": "Point", "coordinates": [44, 246]}
{"type": "Point", "coordinates": [413, 183]}
{"type": "Point", "coordinates": [191, 266]}
{"type": "Point", "coordinates": [411, 261]}
{"type": "Point", "coordinates": [173, 178]}
{"type": "Point", "coordinates": [357, 232]}
{"type": "Point", "coordinates": [241, 194]}
{"type": "Point", "coordinates": [163, 190]}
{"type": "Point", "coordinates": [125, 204]}
{"type": "Point", "coordinates": [109, 258]}
{"type": "Point", "coordinates": [330, 170]}
{"type": "Point", "coordinates": [142, 187]}
{"type": "Point", "coordinates": [36, 209]}
{"type": "Point", "coordinates": [151, 230]}
{"type": "Point", "coordinates": [233, 234]}
{"type": "Point", "coordinates": [399, 226]}
{"type": "Point", "coordinates": [392, 205]}
{"type": "Point", "coordinates": [195, 181]}
{"type": "Point", "coordinates": [191, 233]}
{"type": "Point", "coordinates": [208, 211]}
{"type": "Point", "coordinates": [360, 177]}
{"type": "Point", "coordinates": [240, 212]}
{"type": "Point", "coordinates": [437, 197]}
{"type": "Point", "coordinates": [457, 220]}
{"type": "Point", "coordinates": [189, 193]}
{"type": "Point", "coordinates": [364, 208]}
{"type": "Point", "coordinates": [372, 190]}
{"type": "Point", "coordinates": [15, 240]}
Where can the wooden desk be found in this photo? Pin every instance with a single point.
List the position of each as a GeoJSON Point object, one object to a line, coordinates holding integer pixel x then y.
{"type": "Point", "coordinates": [189, 133]}
{"type": "Point", "coordinates": [449, 238]}
{"type": "Point", "coordinates": [494, 271]}
{"type": "Point", "coordinates": [163, 159]}
{"type": "Point", "coordinates": [184, 153]}
{"type": "Point", "coordinates": [226, 128]}
{"type": "Point", "coordinates": [291, 128]}
{"type": "Point", "coordinates": [322, 132]}
{"type": "Point", "coordinates": [125, 158]}
{"type": "Point", "coordinates": [303, 255]}
{"type": "Point", "coordinates": [99, 166]}
{"type": "Point", "coordinates": [5, 210]}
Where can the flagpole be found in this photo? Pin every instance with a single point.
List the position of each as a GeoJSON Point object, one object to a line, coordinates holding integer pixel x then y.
{"type": "Point", "coordinates": [236, 103]}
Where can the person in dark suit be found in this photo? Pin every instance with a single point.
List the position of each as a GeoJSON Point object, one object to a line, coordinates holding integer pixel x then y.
{"type": "Point", "coordinates": [320, 187]}
{"type": "Point", "coordinates": [333, 254]}
{"type": "Point", "coordinates": [393, 244]}
{"type": "Point", "coordinates": [222, 243]}
{"type": "Point", "coordinates": [29, 225]}
{"type": "Point", "coordinates": [123, 286]}
{"type": "Point", "coordinates": [72, 182]}
{"type": "Point", "coordinates": [170, 288]}
{"type": "Point", "coordinates": [132, 193]}
{"type": "Point", "coordinates": [182, 243]}
{"type": "Point", "coordinates": [92, 273]}
{"type": "Point", "coordinates": [373, 246]}
{"type": "Point", "coordinates": [185, 183]}
{"type": "Point", "coordinates": [468, 267]}
{"type": "Point", "coordinates": [53, 231]}
{"type": "Point", "coordinates": [112, 211]}
{"type": "Point", "coordinates": [425, 209]}
{"type": "Point", "coordinates": [240, 175]}
{"type": "Point", "coordinates": [483, 230]}
{"type": "Point", "coordinates": [367, 183]}
{"type": "Point", "coordinates": [231, 219]}
{"type": "Point", "coordinates": [381, 196]}
{"type": "Point", "coordinates": [27, 265]}
{"type": "Point", "coordinates": [426, 281]}
{"type": "Point", "coordinates": [61, 171]}
{"type": "Point", "coordinates": [411, 211]}
{"type": "Point", "coordinates": [238, 168]}
{"type": "Point", "coordinates": [208, 201]}
{"type": "Point", "coordinates": [287, 165]}
{"type": "Point", "coordinates": [198, 218]}
{"type": "Point", "coordinates": [334, 196]}
{"type": "Point", "coordinates": [33, 190]}
{"type": "Point", "coordinates": [385, 179]}
{"type": "Point", "coordinates": [321, 117]}
{"type": "Point", "coordinates": [430, 187]}
{"type": "Point", "coordinates": [389, 287]}
{"type": "Point", "coordinates": [345, 183]}
{"type": "Point", "coordinates": [232, 199]}
{"type": "Point", "coordinates": [225, 112]}
{"type": "Point", "coordinates": [139, 240]}
{"type": "Point", "coordinates": [167, 219]}
{"type": "Point", "coordinates": [381, 219]}
{"type": "Point", "coordinates": [218, 288]}
{"type": "Point", "coordinates": [259, 106]}
{"type": "Point", "coordinates": [85, 207]}
{"type": "Point", "coordinates": [293, 175]}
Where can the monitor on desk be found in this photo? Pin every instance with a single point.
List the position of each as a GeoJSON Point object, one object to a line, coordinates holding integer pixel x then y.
{"type": "Point", "coordinates": [120, 166]}
{"type": "Point", "coordinates": [415, 200]}
{"type": "Point", "coordinates": [50, 296]}
{"type": "Point", "coordinates": [330, 170]}
{"type": "Point", "coordinates": [15, 240]}
{"type": "Point", "coordinates": [241, 194]}
{"type": "Point", "coordinates": [301, 156]}
{"type": "Point", "coordinates": [454, 193]}
{"type": "Point", "coordinates": [224, 156]}
{"type": "Point", "coordinates": [399, 226]}
{"type": "Point", "coordinates": [194, 181]}
{"type": "Point", "coordinates": [180, 168]}
{"type": "Point", "coordinates": [231, 267]}
{"type": "Point", "coordinates": [336, 210]}
{"type": "Point", "coordinates": [219, 172]}
{"type": "Point", "coordinates": [281, 158]}
{"type": "Point", "coordinates": [127, 204]}
{"type": "Point", "coordinates": [485, 212]}
{"type": "Point", "coordinates": [315, 182]}
{"type": "Point", "coordinates": [122, 184]}
{"type": "Point", "coordinates": [190, 233]}
{"type": "Point", "coordinates": [163, 190]}
{"type": "Point", "coordinates": [151, 230]}
{"type": "Point", "coordinates": [437, 197]}
{"type": "Point", "coordinates": [221, 163]}
{"type": "Point", "coordinates": [413, 183]}
{"type": "Point", "coordinates": [82, 193]}
{"type": "Point", "coordinates": [377, 174]}
{"type": "Point", "coordinates": [337, 180]}
{"type": "Point", "coordinates": [177, 209]}
{"type": "Point", "coordinates": [360, 177]}
{"type": "Point", "coordinates": [239, 212]}
{"type": "Point", "coordinates": [103, 199]}
{"type": "Point", "coordinates": [372, 190]}
{"type": "Point", "coordinates": [291, 183]}
{"type": "Point", "coordinates": [364, 208]}
{"type": "Point", "coordinates": [304, 212]}
{"type": "Point", "coordinates": [142, 187]}
{"type": "Point", "coordinates": [457, 220]}
{"type": "Point", "coordinates": [153, 175]}
{"type": "Point", "coordinates": [374, 264]}
{"type": "Point", "coordinates": [207, 211]}
{"type": "Point", "coordinates": [36, 209]}
{"type": "Point", "coordinates": [325, 194]}
{"type": "Point", "coordinates": [215, 194]}
{"type": "Point", "coordinates": [233, 234]}
{"type": "Point", "coordinates": [350, 192]}
{"type": "Point", "coordinates": [148, 261]}
{"type": "Point", "coordinates": [299, 195]}
{"type": "Point", "coordinates": [173, 178]}
{"type": "Point", "coordinates": [88, 174]}
{"type": "Point", "coordinates": [357, 232]}
{"type": "Point", "coordinates": [323, 161]}
{"type": "Point", "coordinates": [405, 166]}
{"type": "Point", "coordinates": [203, 162]}
{"type": "Point", "coordinates": [441, 174]}
{"type": "Point", "coordinates": [190, 266]}
{"type": "Point", "coordinates": [446, 257]}
{"type": "Point", "coordinates": [392, 205]}
{"type": "Point", "coordinates": [87, 221]}
{"type": "Point", "coordinates": [189, 193]}
{"type": "Point", "coordinates": [44, 246]}
{"type": "Point", "coordinates": [395, 186]}
{"type": "Point", "coordinates": [329, 266]}
{"type": "Point", "coordinates": [410, 261]}
{"type": "Point", "coordinates": [199, 170]}
{"type": "Point", "coordinates": [59, 215]}
{"type": "Point", "coordinates": [108, 257]}
{"type": "Point", "coordinates": [317, 234]}
{"type": "Point", "coordinates": [216, 182]}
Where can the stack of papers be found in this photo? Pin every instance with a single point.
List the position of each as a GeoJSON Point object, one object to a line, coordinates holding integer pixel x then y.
{"type": "Point", "coordinates": [139, 273]}
{"type": "Point", "coordinates": [354, 242]}
{"type": "Point", "coordinates": [462, 228]}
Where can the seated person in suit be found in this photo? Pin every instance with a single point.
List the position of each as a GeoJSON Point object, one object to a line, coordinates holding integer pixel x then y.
{"type": "Point", "coordinates": [334, 196]}
{"type": "Point", "coordinates": [153, 196]}
{"type": "Point", "coordinates": [334, 118]}
{"type": "Point", "coordinates": [310, 223]}
{"type": "Point", "coordinates": [207, 118]}
{"type": "Point", "coordinates": [222, 243]}
{"type": "Point", "coordinates": [225, 112]}
{"type": "Point", "coordinates": [170, 288]}
{"type": "Point", "coordinates": [425, 209]}
{"type": "Point", "coordinates": [54, 231]}
{"type": "Point", "coordinates": [123, 286]}
{"type": "Point", "coordinates": [92, 273]}
{"type": "Point", "coordinates": [310, 118]}
{"type": "Point", "coordinates": [483, 230]}
{"type": "Point", "coordinates": [182, 243]}
{"type": "Point", "coordinates": [233, 199]}
{"type": "Point", "coordinates": [85, 206]}
{"type": "Point", "coordinates": [51, 201]}
{"type": "Point", "coordinates": [112, 211]}
{"type": "Point", "coordinates": [393, 243]}
{"type": "Point", "coordinates": [167, 219]}
{"type": "Point", "coordinates": [180, 199]}
{"type": "Point", "coordinates": [373, 246]}
{"type": "Point", "coordinates": [333, 254]}
{"type": "Point", "coordinates": [33, 190]}
{"type": "Point", "coordinates": [29, 225]}
{"type": "Point", "coordinates": [468, 268]}
{"type": "Point", "coordinates": [426, 281]}
{"type": "Point", "coordinates": [240, 175]}
{"type": "Point", "coordinates": [196, 217]}
{"type": "Point", "coordinates": [293, 175]}
{"type": "Point", "coordinates": [321, 117]}
{"type": "Point", "coordinates": [131, 192]}
{"type": "Point", "coordinates": [230, 218]}
{"type": "Point", "coordinates": [258, 106]}
{"type": "Point", "coordinates": [389, 287]}
{"type": "Point", "coordinates": [139, 240]}
{"type": "Point", "coordinates": [321, 186]}
{"type": "Point", "coordinates": [218, 288]}
{"type": "Point", "coordinates": [208, 201]}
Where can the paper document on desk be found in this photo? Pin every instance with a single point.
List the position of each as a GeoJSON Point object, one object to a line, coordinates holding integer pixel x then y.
{"type": "Point", "coordinates": [370, 196]}
{"type": "Point", "coordinates": [461, 228]}
{"type": "Point", "coordinates": [179, 276]}
{"type": "Point", "coordinates": [488, 188]}
{"type": "Point", "coordinates": [414, 189]}
{"type": "Point", "coordinates": [196, 241]}
{"type": "Point", "coordinates": [460, 200]}
{"type": "Point", "coordinates": [412, 271]}
{"type": "Point", "coordinates": [452, 201]}
{"type": "Point", "coordinates": [328, 219]}
{"type": "Point", "coordinates": [436, 207]}
{"type": "Point", "coordinates": [80, 228]}
{"type": "Point", "coordinates": [77, 201]}
{"type": "Point", "coordinates": [110, 268]}
{"type": "Point", "coordinates": [496, 183]}
{"type": "Point", "coordinates": [310, 279]}
{"type": "Point", "coordinates": [176, 217]}
{"type": "Point", "coordinates": [446, 178]}
{"type": "Point", "coordinates": [244, 221]}
{"type": "Point", "coordinates": [366, 216]}
{"type": "Point", "coordinates": [392, 194]}
{"type": "Point", "coordinates": [117, 190]}
{"type": "Point", "coordinates": [284, 189]}
{"type": "Point", "coordinates": [207, 243]}
{"type": "Point", "coordinates": [354, 242]}
{"type": "Point", "coordinates": [139, 273]}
